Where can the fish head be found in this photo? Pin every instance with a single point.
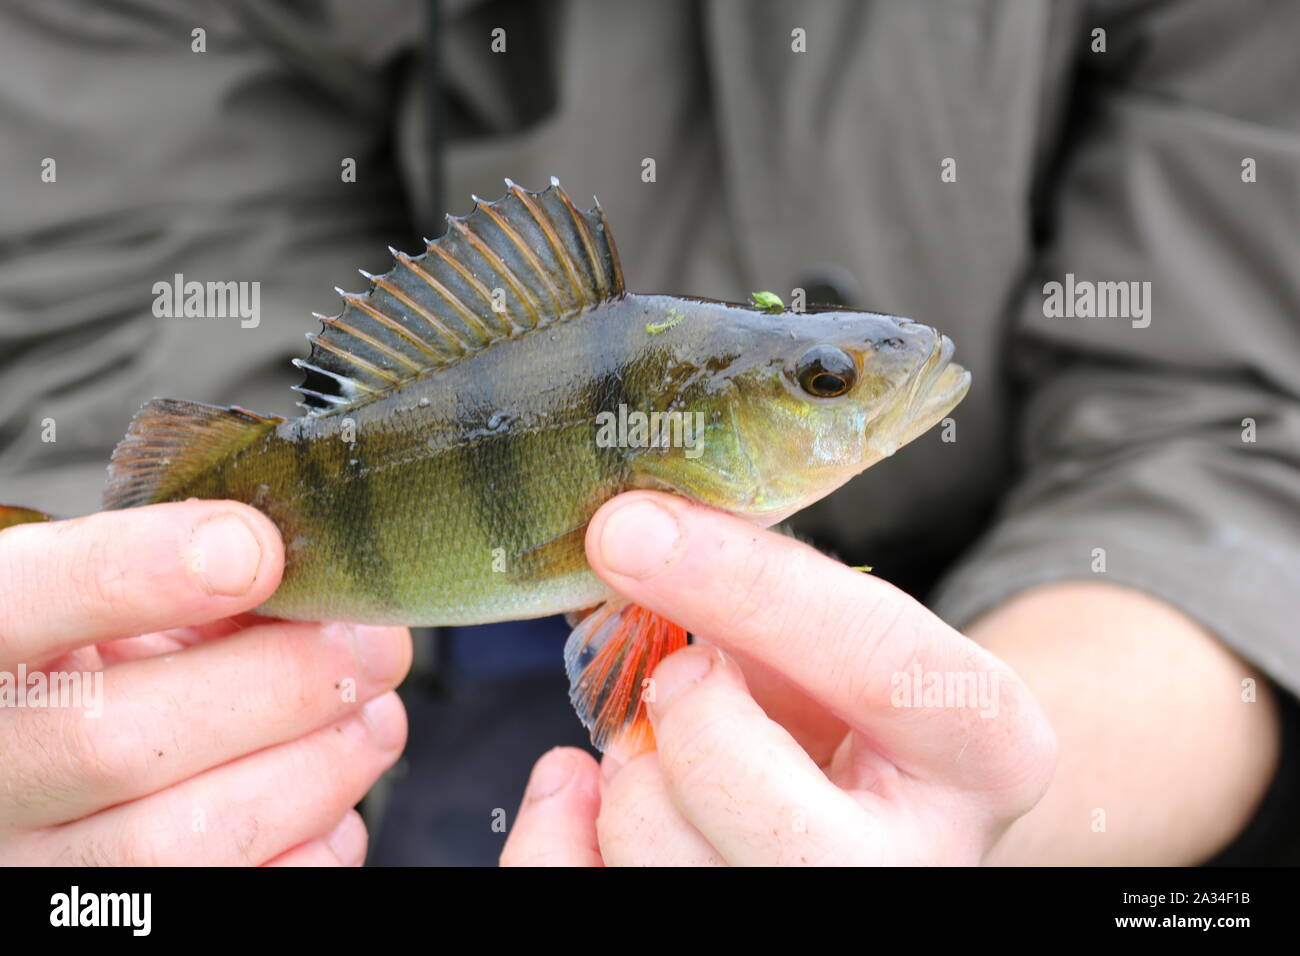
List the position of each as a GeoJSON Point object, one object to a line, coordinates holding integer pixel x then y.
{"type": "Point", "coordinates": [806, 401]}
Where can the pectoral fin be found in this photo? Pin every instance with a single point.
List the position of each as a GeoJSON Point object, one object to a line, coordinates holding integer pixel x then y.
{"type": "Point", "coordinates": [609, 659]}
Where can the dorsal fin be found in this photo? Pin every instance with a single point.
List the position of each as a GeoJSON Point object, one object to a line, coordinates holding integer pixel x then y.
{"type": "Point", "coordinates": [536, 254]}
{"type": "Point", "coordinates": [170, 441]}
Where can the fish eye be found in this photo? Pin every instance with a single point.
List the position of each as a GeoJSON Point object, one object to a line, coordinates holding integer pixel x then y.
{"type": "Point", "coordinates": [826, 372]}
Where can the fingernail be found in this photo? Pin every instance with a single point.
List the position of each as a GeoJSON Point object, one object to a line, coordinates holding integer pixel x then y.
{"type": "Point", "coordinates": [677, 672]}
{"type": "Point", "coordinates": [386, 721]}
{"type": "Point", "coordinates": [224, 555]}
{"type": "Point", "coordinates": [552, 772]}
{"type": "Point", "coordinates": [639, 539]}
{"type": "Point", "coordinates": [381, 652]}
{"type": "Point", "coordinates": [348, 840]}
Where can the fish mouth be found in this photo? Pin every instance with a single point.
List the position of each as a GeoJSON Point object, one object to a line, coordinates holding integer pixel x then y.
{"type": "Point", "coordinates": [946, 388]}
{"type": "Point", "coordinates": [937, 386]}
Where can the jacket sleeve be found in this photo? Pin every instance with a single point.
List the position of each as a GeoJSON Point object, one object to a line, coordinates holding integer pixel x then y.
{"type": "Point", "coordinates": [1160, 448]}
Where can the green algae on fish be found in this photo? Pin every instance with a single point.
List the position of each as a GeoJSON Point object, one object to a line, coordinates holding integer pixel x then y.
{"type": "Point", "coordinates": [658, 328]}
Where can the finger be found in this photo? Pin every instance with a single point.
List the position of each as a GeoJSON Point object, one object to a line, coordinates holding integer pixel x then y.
{"type": "Point", "coordinates": [345, 845]}
{"type": "Point", "coordinates": [164, 719]}
{"type": "Point", "coordinates": [742, 780]}
{"type": "Point", "coordinates": [121, 573]}
{"type": "Point", "coordinates": [639, 825]}
{"type": "Point", "coordinates": [175, 638]}
{"type": "Point", "coordinates": [556, 824]}
{"type": "Point", "coordinates": [246, 812]}
{"type": "Point", "coordinates": [83, 660]}
{"type": "Point", "coordinates": [817, 730]}
{"type": "Point", "coordinates": [137, 648]}
{"type": "Point", "coordinates": [860, 647]}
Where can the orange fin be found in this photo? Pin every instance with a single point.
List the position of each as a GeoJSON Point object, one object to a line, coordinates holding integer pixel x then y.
{"type": "Point", "coordinates": [609, 658]}
{"type": "Point", "coordinates": [11, 515]}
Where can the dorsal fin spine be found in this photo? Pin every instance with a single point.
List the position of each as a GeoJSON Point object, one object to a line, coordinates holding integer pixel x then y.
{"type": "Point", "coordinates": [460, 308]}
{"type": "Point", "coordinates": [370, 340]}
{"type": "Point", "coordinates": [525, 295]}
{"type": "Point", "coordinates": [476, 285]}
{"type": "Point", "coordinates": [360, 302]}
{"type": "Point", "coordinates": [329, 346]}
{"type": "Point", "coordinates": [320, 396]}
{"type": "Point", "coordinates": [548, 229]}
{"type": "Point", "coordinates": [343, 380]}
{"type": "Point", "coordinates": [588, 242]}
{"type": "Point", "coordinates": [391, 324]}
{"type": "Point", "coordinates": [425, 315]}
{"type": "Point", "coordinates": [527, 253]}
{"type": "Point", "coordinates": [616, 264]}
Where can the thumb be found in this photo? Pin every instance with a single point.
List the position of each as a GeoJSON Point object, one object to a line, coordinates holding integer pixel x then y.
{"type": "Point", "coordinates": [556, 825]}
{"type": "Point", "coordinates": [67, 584]}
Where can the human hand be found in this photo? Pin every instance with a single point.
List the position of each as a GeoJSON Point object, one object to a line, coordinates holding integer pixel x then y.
{"type": "Point", "coordinates": [225, 738]}
{"type": "Point", "coordinates": [798, 746]}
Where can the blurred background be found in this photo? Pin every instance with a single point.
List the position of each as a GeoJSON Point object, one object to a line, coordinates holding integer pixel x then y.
{"type": "Point", "coordinates": [939, 160]}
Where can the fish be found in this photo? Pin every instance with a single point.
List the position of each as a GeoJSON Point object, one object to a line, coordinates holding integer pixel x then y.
{"type": "Point", "coordinates": [465, 417]}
